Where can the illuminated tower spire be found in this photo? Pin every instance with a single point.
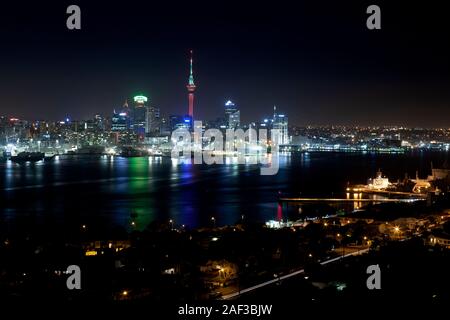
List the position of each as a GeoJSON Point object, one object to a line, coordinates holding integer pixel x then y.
{"type": "Point", "coordinates": [191, 89]}
{"type": "Point", "coordinates": [191, 74]}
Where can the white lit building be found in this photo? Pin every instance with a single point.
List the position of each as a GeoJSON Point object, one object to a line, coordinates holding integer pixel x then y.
{"type": "Point", "coordinates": [280, 122]}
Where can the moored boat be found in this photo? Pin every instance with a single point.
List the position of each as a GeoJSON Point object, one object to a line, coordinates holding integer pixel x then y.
{"type": "Point", "coordinates": [28, 157]}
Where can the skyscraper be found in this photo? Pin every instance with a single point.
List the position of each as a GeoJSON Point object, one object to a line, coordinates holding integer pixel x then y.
{"type": "Point", "coordinates": [153, 123]}
{"type": "Point", "coordinates": [139, 114]}
{"type": "Point", "coordinates": [175, 121]}
{"type": "Point", "coordinates": [232, 115]}
{"type": "Point", "coordinates": [191, 88]}
{"type": "Point", "coordinates": [120, 121]}
{"type": "Point", "coordinates": [99, 123]}
{"type": "Point", "coordinates": [280, 122]}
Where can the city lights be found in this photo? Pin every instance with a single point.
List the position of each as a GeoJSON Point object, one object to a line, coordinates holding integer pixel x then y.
{"type": "Point", "coordinates": [204, 160]}
{"type": "Point", "coordinates": [140, 99]}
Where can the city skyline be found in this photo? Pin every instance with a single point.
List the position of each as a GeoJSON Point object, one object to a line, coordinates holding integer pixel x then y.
{"type": "Point", "coordinates": [214, 159]}
{"type": "Point", "coordinates": [319, 63]}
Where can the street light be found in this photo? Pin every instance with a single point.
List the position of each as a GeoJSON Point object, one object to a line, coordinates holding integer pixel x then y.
{"type": "Point", "coordinates": [213, 221]}
{"type": "Point", "coordinates": [397, 231]}
{"type": "Point", "coordinates": [340, 241]}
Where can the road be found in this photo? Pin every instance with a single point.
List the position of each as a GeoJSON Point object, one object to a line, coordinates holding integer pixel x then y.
{"type": "Point", "coordinates": [293, 274]}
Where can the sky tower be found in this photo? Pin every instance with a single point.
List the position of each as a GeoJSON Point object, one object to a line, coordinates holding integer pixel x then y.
{"type": "Point", "coordinates": [191, 89]}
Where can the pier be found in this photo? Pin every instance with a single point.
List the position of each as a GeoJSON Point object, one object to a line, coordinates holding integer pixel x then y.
{"type": "Point", "coordinates": [304, 200]}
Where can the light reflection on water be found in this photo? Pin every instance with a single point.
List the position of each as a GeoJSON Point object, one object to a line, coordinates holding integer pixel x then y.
{"type": "Point", "coordinates": [117, 191]}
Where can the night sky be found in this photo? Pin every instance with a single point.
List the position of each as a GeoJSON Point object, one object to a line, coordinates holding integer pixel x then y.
{"type": "Point", "coordinates": [314, 60]}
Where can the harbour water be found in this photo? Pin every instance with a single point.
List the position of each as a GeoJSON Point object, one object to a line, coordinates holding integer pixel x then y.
{"type": "Point", "coordinates": [70, 191]}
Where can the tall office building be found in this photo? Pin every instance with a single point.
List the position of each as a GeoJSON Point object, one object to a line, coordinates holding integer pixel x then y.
{"type": "Point", "coordinates": [99, 123]}
{"type": "Point", "coordinates": [139, 118]}
{"type": "Point", "coordinates": [120, 120]}
{"type": "Point", "coordinates": [280, 122]}
{"type": "Point", "coordinates": [232, 115]}
{"type": "Point", "coordinates": [153, 122]}
{"type": "Point", "coordinates": [175, 121]}
{"type": "Point", "coordinates": [165, 129]}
